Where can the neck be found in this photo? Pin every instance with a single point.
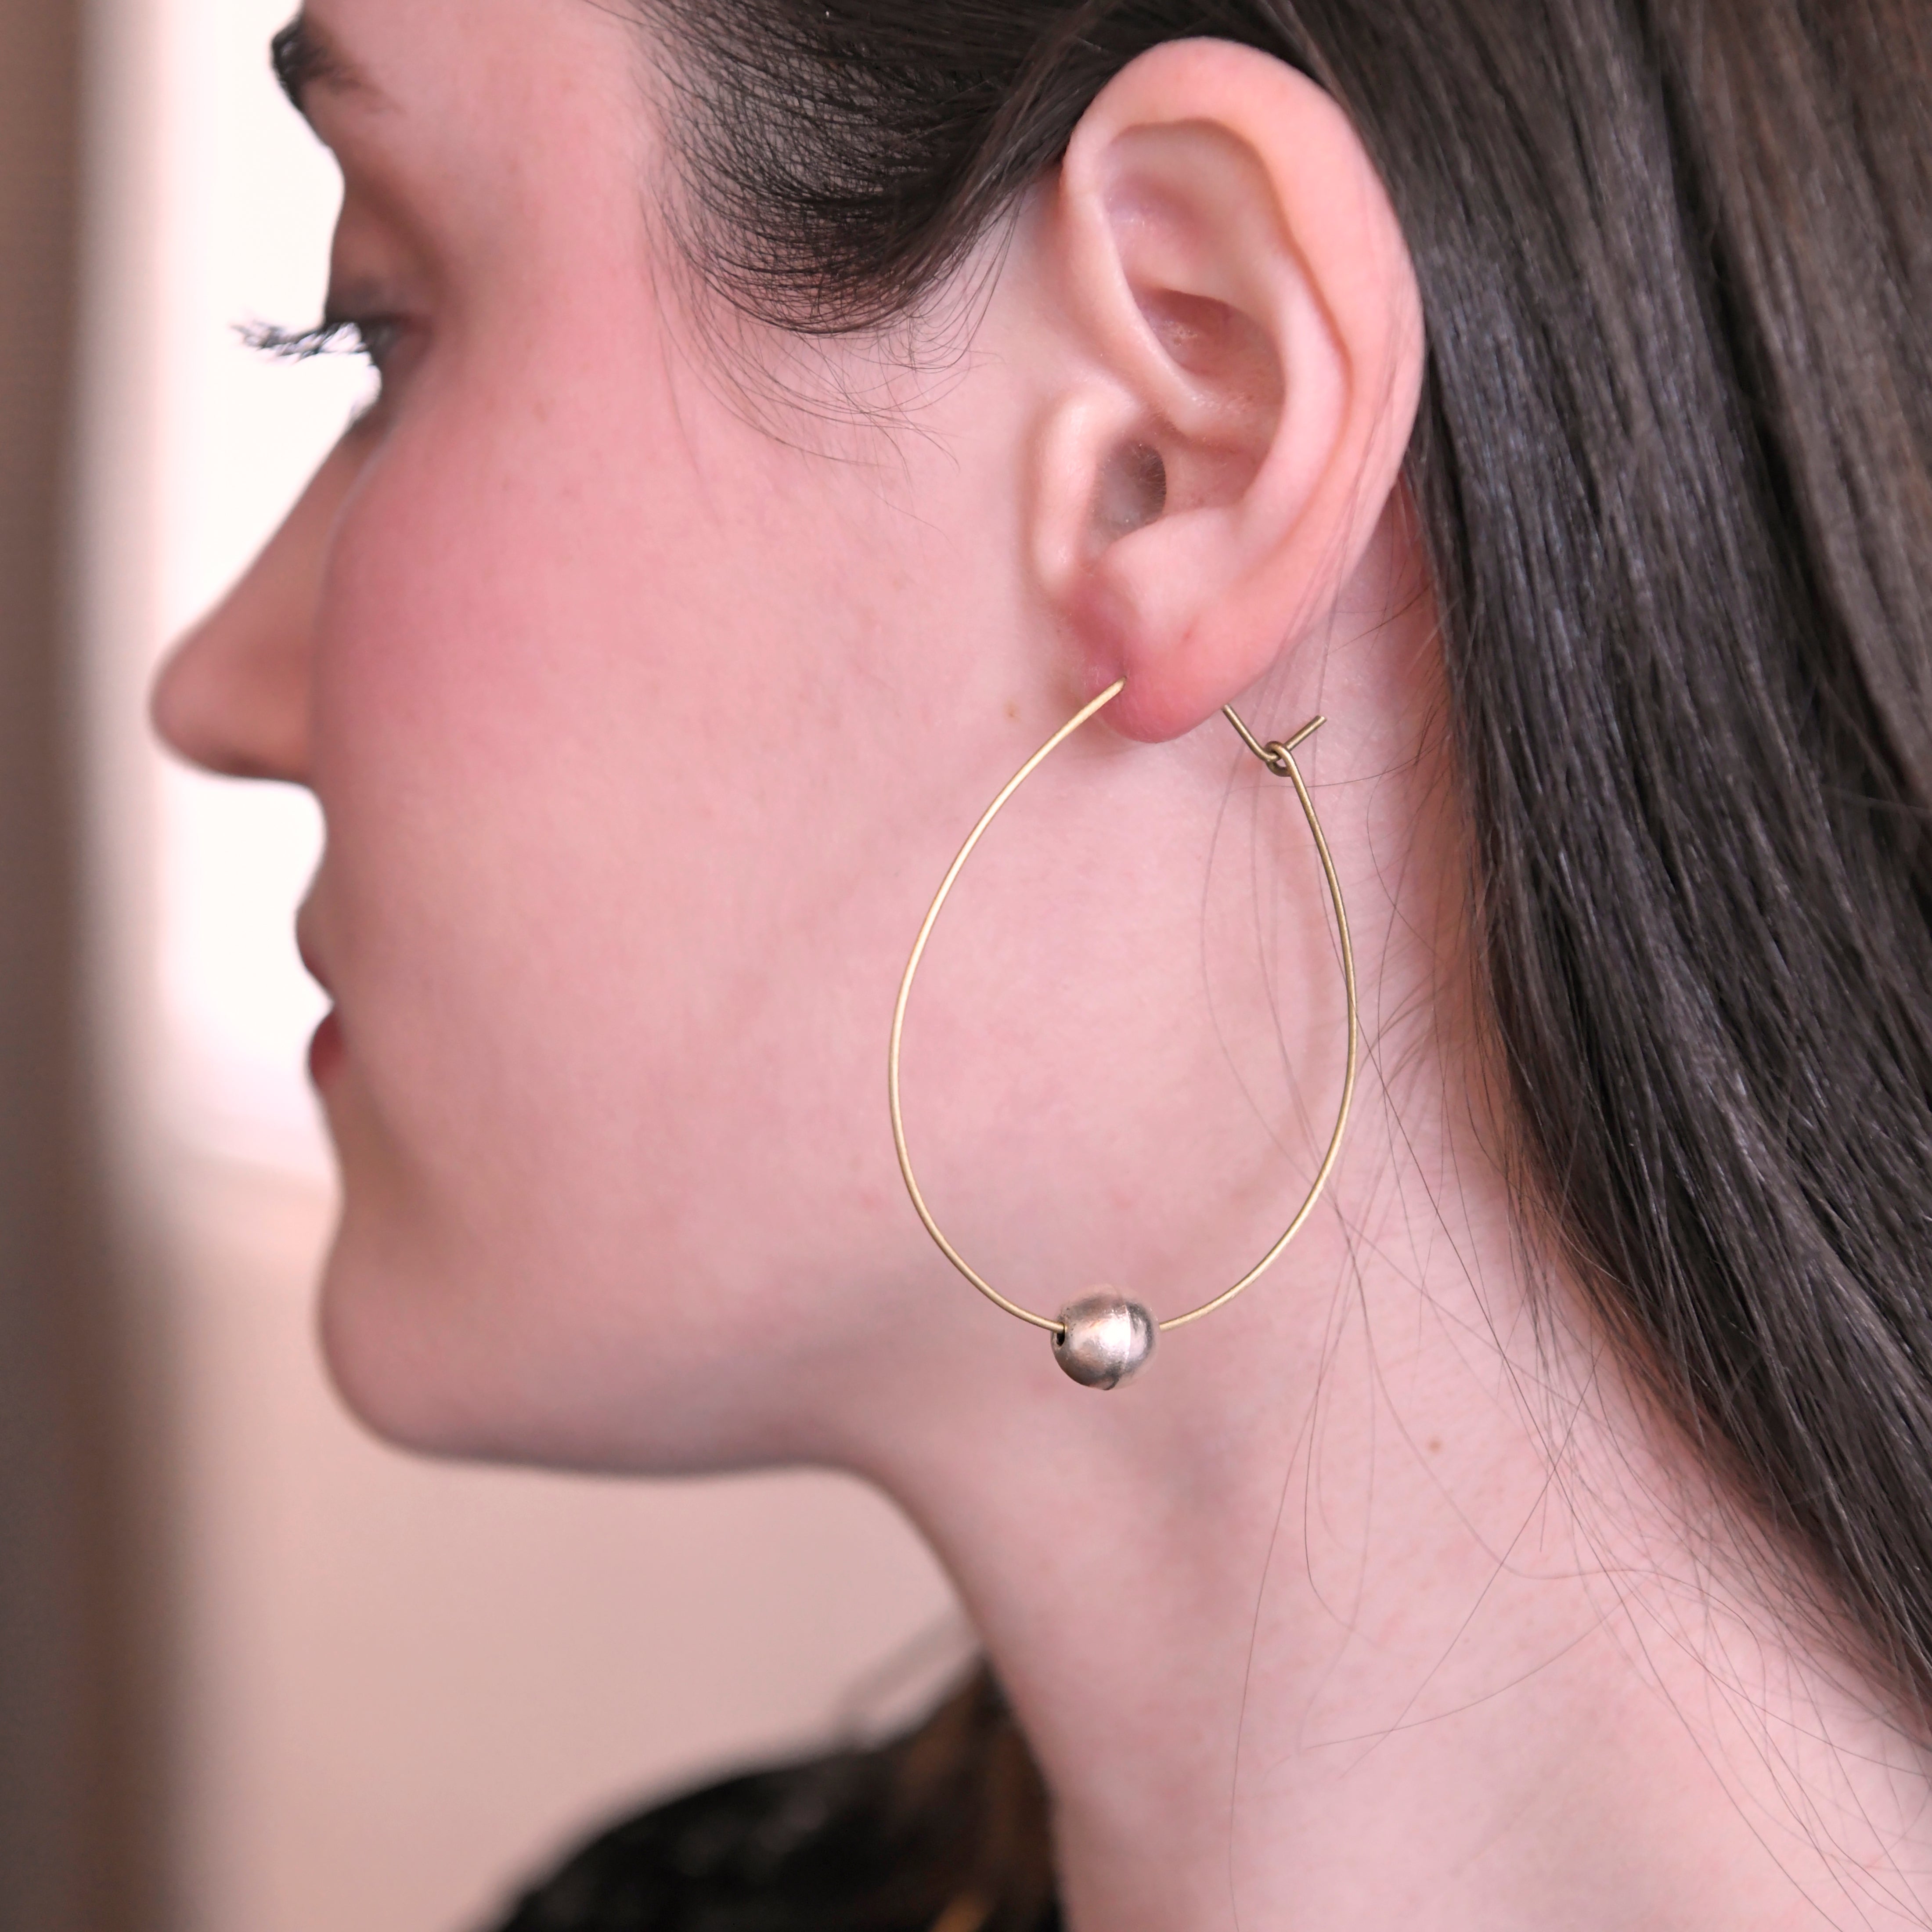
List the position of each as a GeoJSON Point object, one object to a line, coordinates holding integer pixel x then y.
{"type": "Point", "coordinates": [1379, 1601]}
{"type": "Point", "coordinates": [1371, 1610]}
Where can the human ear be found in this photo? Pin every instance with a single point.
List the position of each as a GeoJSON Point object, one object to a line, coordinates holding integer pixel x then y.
{"type": "Point", "coordinates": [1248, 355]}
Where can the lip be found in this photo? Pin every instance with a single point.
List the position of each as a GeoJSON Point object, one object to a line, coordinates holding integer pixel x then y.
{"type": "Point", "coordinates": [311, 961]}
{"type": "Point", "coordinates": [325, 1048]}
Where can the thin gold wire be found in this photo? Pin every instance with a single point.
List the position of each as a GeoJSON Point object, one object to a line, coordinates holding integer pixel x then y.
{"type": "Point", "coordinates": [1280, 758]}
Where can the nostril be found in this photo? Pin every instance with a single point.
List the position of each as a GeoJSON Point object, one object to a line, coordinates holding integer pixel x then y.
{"type": "Point", "coordinates": [185, 707]}
{"type": "Point", "coordinates": [171, 712]}
{"type": "Point", "coordinates": [232, 702]}
{"type": "Point", "coordinates": [234, 696]}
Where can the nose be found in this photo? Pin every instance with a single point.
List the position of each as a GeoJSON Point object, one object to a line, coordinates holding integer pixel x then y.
{"type": "Point", "coordinates": [233, 696]}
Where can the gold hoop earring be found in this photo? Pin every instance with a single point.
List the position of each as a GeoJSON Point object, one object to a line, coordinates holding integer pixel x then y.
{"type": "Point", "coordinates": [1103, 1338]}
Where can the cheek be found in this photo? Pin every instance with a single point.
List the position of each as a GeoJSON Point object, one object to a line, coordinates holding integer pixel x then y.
{"type": "Point", "coordinates": [601, 738]}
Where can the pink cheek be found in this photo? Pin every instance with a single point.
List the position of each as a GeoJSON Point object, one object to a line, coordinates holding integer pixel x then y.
{"type": "Point", "coordinates": [479, 589]}
{"type": "Point", "coordinates": [508, 711]}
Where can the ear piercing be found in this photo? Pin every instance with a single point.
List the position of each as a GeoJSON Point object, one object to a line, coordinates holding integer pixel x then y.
{"type": "Point", "coordinates": [1102, 1337]}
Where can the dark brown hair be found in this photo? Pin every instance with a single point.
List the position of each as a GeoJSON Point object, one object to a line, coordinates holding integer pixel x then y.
{"type": "Point", "coordinates": [1674, 470]}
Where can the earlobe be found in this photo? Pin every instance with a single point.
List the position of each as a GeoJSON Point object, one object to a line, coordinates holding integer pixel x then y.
{"type": "Point", "coordinates": [1252, 354]}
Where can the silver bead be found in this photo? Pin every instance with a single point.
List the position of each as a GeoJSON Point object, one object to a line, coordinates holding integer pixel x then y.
{"type": "Point", "coordinates": [1105, 1338]}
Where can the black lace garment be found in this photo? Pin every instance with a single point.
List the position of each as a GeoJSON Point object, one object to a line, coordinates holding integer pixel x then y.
{"type": "Point", "coordinates": [943, 1830]}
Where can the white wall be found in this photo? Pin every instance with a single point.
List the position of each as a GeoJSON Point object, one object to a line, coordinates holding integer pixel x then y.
{"type": "Point", "coordinates": [246, 199]}
{"type": "Point", "coordinates": [394, 1686]}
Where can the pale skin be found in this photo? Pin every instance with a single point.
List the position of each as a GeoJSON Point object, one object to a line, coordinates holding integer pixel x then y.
{"type": "Point", "coordinates": [646, 708]}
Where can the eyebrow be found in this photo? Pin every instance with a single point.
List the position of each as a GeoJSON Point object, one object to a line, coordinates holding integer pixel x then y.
{"type": "Point", "coordinates": [303, 56]}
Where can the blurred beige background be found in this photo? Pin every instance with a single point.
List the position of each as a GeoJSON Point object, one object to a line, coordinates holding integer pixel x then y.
{"type": "Point", "coordinates": [384, 1690]}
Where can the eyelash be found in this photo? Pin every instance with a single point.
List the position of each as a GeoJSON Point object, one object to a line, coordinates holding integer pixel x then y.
{"type": "Point", "coordinates": [343, 335]}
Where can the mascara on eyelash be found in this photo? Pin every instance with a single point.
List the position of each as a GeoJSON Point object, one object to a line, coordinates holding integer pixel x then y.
{"type": "Point", "coordinates": [342, 336]}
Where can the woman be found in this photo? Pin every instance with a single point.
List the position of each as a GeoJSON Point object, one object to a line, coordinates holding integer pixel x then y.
{"type": "Point", "coordinates": [791, 416]}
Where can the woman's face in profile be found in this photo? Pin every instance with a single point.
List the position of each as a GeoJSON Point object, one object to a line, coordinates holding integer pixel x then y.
{"type": "Point", "coordinates": [648, 666]}
{"type": "Point", "coordinates": [623, 710]}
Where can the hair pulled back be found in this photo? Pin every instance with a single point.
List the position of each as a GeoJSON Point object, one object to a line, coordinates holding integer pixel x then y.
{"type": "Point", "coordinates": [1673, 466]}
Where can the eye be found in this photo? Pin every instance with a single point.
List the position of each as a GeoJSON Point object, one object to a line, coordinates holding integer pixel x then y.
{"type": "Point", "coordinates": [375, 338]}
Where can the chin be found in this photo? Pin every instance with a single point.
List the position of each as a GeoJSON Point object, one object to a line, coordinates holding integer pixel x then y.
{"type": "Point", "coordinates": [427, 1342]}
{"type": "Point", "coordinates": [458, 1362]}
{"type": "Point", "coordinates": [396, 1362]}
